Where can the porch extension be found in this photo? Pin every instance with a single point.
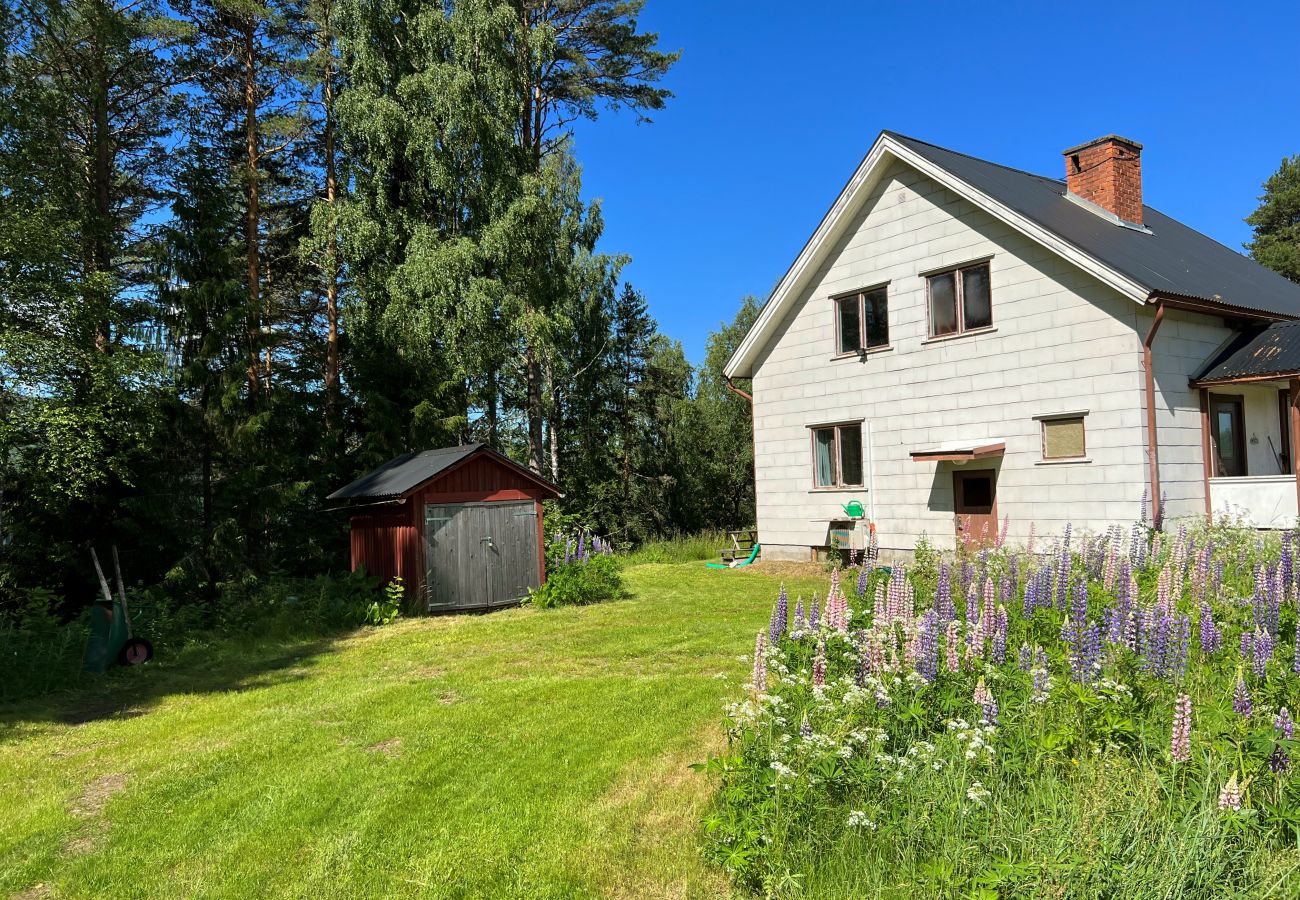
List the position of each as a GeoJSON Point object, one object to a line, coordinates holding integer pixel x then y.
{"type": "Point", "coordinates": [1250, 428]}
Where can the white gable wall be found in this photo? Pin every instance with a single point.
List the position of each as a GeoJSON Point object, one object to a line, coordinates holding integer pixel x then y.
{"type": "Point", "coordinates": [1062, 342]}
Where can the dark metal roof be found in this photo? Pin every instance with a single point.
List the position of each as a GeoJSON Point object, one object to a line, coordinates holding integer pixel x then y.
{"type": "Point", "coordinates": [397, 476]}
{"type": "Point", "coordinates": [400, 476]}
{"type": "Point", "coordinates": [1171, 259]}
{"type": "Point", "coordinates": [1274, 351]}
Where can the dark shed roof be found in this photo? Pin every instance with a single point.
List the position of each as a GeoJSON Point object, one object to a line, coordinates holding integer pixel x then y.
{"type": "Point", "coordinates": [1171, 259]}
{"type": "Point", "coordinates": [1273, 351]}
{"type": "Point", "coordinates": [400, 476]}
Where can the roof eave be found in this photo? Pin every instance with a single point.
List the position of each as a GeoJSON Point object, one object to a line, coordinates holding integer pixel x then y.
{"type": "Point", "coordinates": [1214, 307]}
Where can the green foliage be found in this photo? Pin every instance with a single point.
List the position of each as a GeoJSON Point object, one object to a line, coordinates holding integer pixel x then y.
{"type": "Point", "coordinates": [1276, 243]}
{"type": "Point", "coordinates": [389, 608]}
{"type": "Point", "coordinates": [580, 583]}
{"type": "Point", "coordinates": [682, 548]}
{"type": "Point", "coordinates": [851, 772]}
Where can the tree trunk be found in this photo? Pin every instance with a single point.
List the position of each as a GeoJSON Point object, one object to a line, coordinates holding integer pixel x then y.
{"type": "Point", "coordinates": [100, 254]}
{"type": "Point", "coordinates": [252, 219]}
{"type": "Point", "coordinates": [492, 413]}
{"type": "Point", "coordinates": [533, 372]}
{"type": "Point", "coordinates": [553, 421]}
{"type": "Point", "coordinates": [332, 386]}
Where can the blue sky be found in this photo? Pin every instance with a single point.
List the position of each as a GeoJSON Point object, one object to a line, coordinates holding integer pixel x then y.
{"type": "Point", "coordinates": [777, 103]}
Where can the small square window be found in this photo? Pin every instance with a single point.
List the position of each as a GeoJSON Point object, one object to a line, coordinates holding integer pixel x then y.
{"type": "Point", "coordinates": [837, 456]}
{"type": "Point", "coordinates": [1063, 438]}
{"type": "Point", "coordinates": [862, 321]}
{"type": "Point", "coordinates": [960, 300]}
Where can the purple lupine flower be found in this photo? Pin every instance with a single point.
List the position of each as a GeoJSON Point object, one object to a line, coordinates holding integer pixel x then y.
{"type": "Point", "coordinates": [814, 614]}
{"type": "Point", "coordinates": [1179, 646]}
{"type": "Point", "coordinates": [760, 663]}
{"type": "Point", "coordinates": [1000, 635]}
{"type": "Point", "coordinates": [972, 605]}
{"type": "Point", "coordinates": [1262, 652]}
{"type": "Point", "coordinates": [988, 706]}
{"type": "Point", "coordinates": [582, 547]}
{"type": "Point", "coordinates": [1295, 661]}
{"type": "Point", "coordinates": [1142, 507]}
{"type": "Point", "coordinates": [927, 653]}
{"type": "Point", "coordinates": [1211, 636]}
{"type": "Point", "coordinates": [780, 612]}
{"type": "Point", "coordinates": [568, 550]}
{"type": "Point", "coordinates": [943, 605]}
{"type": "Point", "coordinates": [819, 665]}
{"type": "Point", "coordinates": [805, 728]}
{"type": "Point", "coordinates": [1079, 600]}
{"type": "Point", "coordinates": [863, 574]}
{"type": "Point", "coordinates": [1241, 702]}
{"type": "Point", "coordinates": [1280, 760]}
{"type": "Point", "coordinates": [1026, 659]}
{"type": "Point", "coordinates": [1180, 743]}
{"type": "Point", "coordinates": [1031, 597]}
{"type": "Point", "coordinates": [1159, 521]}
{"type": "Point", "coordinates": [1090, 653]}
{"type": "Point", "coordinates": [989, 610]}
{"type": "Point", "coordinates": [799, 623]}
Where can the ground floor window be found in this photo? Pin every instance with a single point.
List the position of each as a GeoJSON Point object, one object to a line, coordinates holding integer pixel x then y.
{"type": "Point", "coordinates": [837, 455]}
{"type": "Point", "coordinates": [1063, 438]}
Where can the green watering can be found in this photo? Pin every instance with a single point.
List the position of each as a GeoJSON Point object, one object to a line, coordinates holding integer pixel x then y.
{"type": "Point", "coordinates": [854, 509]}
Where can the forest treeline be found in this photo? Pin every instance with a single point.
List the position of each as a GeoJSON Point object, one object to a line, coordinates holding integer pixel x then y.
{"type": "Point", "coordinates": [250, 249]}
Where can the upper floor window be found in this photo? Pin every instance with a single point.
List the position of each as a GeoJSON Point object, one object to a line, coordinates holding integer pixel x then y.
{"type": "Point", "coordinates": [960, 300]}
{"type": "Point", "coordinates": [837, 455]}
{"type": "Point", "coordinates": [862, 320]}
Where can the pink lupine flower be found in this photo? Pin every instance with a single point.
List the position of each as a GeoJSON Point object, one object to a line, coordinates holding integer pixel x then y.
{"type": "Point", "coordinates": [1230, 796]}
{"type": "Point", "coordinates": [1180, 744]}
{"type": "Point", "coordinates": [1162, 591]}
{"type": "Point", "coordinates": [1109, 572]}
{"type": "Point", "coordinates": [951, 657]}
{"type": "Point", "coordinates": [1029, 547]}
{"type": "Point", "coordinates": [760, 663]}
{"type": "Point", "coordinates": [1155, 546]}
{"type": "Point", "coordinates": [879, 612]}
{"type": "Point", "coordinates": [819, 665]}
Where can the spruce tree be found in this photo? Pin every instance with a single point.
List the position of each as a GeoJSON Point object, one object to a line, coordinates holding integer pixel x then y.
{"type": "Point", "coordinates": [1277, 222]}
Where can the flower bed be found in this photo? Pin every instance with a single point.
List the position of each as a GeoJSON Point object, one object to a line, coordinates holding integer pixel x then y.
{"type": "Point", "coordinates": [1107, 718]}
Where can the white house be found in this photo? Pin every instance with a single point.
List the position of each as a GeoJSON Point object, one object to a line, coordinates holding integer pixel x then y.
{"type": "Point", "coordinates": [960, 343]}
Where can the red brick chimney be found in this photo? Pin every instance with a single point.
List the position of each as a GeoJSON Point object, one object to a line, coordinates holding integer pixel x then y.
{"type": "Point", "coordinates": [1108, 172]}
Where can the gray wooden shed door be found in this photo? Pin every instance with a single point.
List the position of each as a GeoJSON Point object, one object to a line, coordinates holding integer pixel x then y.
{"type": "Point", "coordinates": [480, 554]}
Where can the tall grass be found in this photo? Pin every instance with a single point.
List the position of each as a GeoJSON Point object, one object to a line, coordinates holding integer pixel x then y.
{"type": "Point", "coordinates": [682, 548]}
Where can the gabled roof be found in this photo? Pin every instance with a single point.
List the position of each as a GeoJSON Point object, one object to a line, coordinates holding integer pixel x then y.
{"type": "Point", "coordinates": [1165, 259]}
{"type": "Point", "coordinates": [1273, 352]}
{"type": "Point", "coordinates": [400, 476]}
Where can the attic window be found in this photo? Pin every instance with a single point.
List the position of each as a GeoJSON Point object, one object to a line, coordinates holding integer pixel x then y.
{"type": "Point", "coordinates": [960, 300]}
{"type": "Point", "coordinates": [862, 321]}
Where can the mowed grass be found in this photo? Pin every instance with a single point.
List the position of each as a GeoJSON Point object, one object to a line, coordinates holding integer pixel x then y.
{"type": "Point", "coordinates": [521, 754]}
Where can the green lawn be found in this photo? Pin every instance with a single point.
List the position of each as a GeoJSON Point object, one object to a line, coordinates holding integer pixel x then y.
{"type": "Point", "coordinates": [522, 754]}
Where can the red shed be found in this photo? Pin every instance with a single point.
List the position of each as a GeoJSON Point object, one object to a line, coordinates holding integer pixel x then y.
{"type": "Point", "coordinates": [461, 526]}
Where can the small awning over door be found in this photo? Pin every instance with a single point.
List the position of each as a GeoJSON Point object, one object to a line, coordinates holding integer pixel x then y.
{"type": "Point", "coordinates": [960, 451]}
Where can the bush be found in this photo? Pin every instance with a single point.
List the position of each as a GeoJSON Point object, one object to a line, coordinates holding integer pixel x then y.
{"type": "Point", "coordinates": [579, 582]}
{"type": "Point", "coordinates": [1105, 719]}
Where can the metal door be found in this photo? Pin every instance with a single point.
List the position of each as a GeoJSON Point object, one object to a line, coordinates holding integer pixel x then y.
{"type": "Point", "coordinates": [480, 554]}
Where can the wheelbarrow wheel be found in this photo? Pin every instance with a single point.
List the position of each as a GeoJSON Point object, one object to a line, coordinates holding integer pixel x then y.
{"type": "Point", "coordinates": [135, 652]}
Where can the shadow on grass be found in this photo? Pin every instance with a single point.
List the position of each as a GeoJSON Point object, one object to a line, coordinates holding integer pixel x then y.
{"type": "Point", "coordinates": [224, 665]}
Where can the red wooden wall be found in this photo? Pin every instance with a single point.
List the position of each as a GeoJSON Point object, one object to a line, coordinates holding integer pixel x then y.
{"type": "Point", "coordinates": [389, 539]}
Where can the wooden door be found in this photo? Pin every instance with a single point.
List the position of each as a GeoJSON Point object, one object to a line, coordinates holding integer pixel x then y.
{"type": "Point", "coordinates": [480, 554]}
{"type": "Point", "coordinates": [511, 554]}
{"type": "Point", "coordinates": [1227, 435]}
{"type": "Point", "coordinates": [975, 504]}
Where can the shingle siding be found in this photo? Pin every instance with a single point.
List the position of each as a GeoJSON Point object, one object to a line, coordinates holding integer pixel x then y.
{"type": "Point", "coordinates": [1062, 341]}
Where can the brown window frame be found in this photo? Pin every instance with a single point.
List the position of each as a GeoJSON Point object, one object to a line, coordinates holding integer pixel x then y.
{"type": "Point", "coordinates": [1238, 403]}
{"type": "Point", "coordinates": [836, 455]}
{"type": "Point", "coordinates": [959, 298]}
{"type": "Point", "coordinates": [860, 296]}
{"type": "Point", "coordinates": [1044, 421]}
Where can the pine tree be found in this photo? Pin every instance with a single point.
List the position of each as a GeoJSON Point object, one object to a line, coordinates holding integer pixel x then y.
{"type": "Point", "coordinates": [1277, 222]}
